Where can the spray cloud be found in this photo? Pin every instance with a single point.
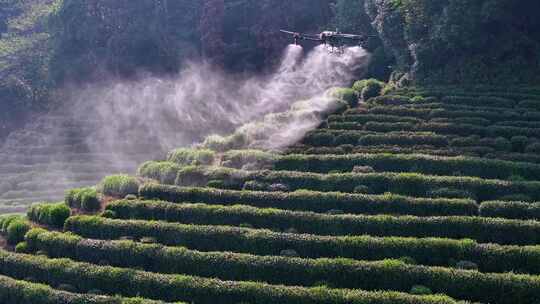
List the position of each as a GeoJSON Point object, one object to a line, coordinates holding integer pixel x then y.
{"type": "Point", "coordinates": [126, 122]}
{"type": "Point", "coordinates": [202, 100]}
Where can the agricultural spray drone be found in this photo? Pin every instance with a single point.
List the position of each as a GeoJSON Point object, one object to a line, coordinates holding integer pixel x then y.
{"type": "Point", "coordinates": [334, 41]}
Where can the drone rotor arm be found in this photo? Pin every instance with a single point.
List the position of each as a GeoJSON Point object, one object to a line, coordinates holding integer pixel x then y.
{"type": "Point", "coordinates": [290, 33]}
{"type": "Point", "coordinates": [353, 37]}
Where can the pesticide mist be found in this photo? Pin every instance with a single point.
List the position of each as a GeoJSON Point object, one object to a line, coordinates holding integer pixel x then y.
{"type": "Point", "coordinates": [115, 126]}
{"type": "Point", "coordinates": [203, 100]}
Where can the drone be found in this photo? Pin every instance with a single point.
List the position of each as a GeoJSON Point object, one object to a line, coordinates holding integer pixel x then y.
{"type": "Point", "coordinates": [334, 41]}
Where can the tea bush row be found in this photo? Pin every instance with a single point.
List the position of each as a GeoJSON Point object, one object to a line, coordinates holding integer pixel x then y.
{"type": "Point", "coordinates": [368, 138]}
{"type": "Point", "coordinates": [237, 215]}
{"type": "Point", "coordinates": [484, 230]}
{"type": "Point", "coordinates": [427, 164]}
{"type": "Point", "coordinates": [86, 199]}
{"type": "Point", "coordinates": [129, 282]}
{"type": "Point", "coordinates": [513, 210]}
{"type": "Point", "coordinates": [411, 184]}
{"type": "Point", "coordinates": [14, 227]}
{"type": "Point", "coordinates": [446, 128]}
{"type": "Point", "coordinates": [21, 292]}
{"type": "Point", "coordinates": [53, 215]}
{"type": "Point", "coordinates": [424, 251]}
{"type": "Point", "coordinates": [379, 275]}
{"type": "Point", "coordinates": [314, 201]}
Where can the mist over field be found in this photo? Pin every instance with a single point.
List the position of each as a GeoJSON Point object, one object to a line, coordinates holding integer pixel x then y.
{"type": "Point", "coordinates": [204, 100]}
{"type": "Point", "coordinates": [113, 126]}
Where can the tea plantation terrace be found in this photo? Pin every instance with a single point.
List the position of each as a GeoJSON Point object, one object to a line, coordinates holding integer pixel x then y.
{"type": "Point", "coordinates": [417, 195]}
{"type": "Point", "coordinates": [55, 153]}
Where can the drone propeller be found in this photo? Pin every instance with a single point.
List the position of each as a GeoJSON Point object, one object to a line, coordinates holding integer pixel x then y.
{"type": "Point", "coordinates": [290, 33]}
{"type": "Point", "coordinates": [349, 36]}
{"type": "Point", "coordinates": [302, 36]}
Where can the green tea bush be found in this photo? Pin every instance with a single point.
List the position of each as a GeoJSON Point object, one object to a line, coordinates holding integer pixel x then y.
{"type": "Point", "coordinates": [472, 121]}
{"type": "Point", "coordinates": [420, 290]}
{"type": "Point", "coordinates": [24, 292]}
{"type": "Point", "coordinates": [462, 129]}
{"type": "Point", "coordinates": [248, 186]}
{"type": "Point", "coordinates": [359, 85]}
{"type": "Point", "coordinates": [406, 139]}
{"type": "Point", "coordinates": [5, 220]}
{"type": "Point", "coordinates": [16, 230]}
{"type": "Point", "coordinates": [171, 288]}
{"type": "Point", "coordinates": [348, 95]}
{"type": "Point", "coordinates": [519, 157]}
{"type": "Point", "coordinates": [451, 193]}
{"type": "Point", "coordinates": [451, 128]}
{"type": "Point", "coordinates": [499, 144]}
{"type": "Point", "coordinates": [511, 210]}
{"type": "Point", "coordinates": [163, 171]}
{"type": "Point", "coordinates": [240, 158]}
{"type": "Point", "coordinates": [419, 99]}
{"type": "Point", "coordinates": [368, 88]}
{"type": "Point", "coordinates": [402, 111]}
{"type": "Point", "coordinates": [22, 247]}
{"type": "Point", "coordinates": [306, 222]}
{"type": "Point", "coordinates": [287, 269]}
{"type": "Point", "coordinates": [411, 184]}
{"type": "Point", "coordinates": [365, 118]}
{"type": "Point", "coordinates": [426, 251]}
{"type": "Point", "coordinates": [188, 156]}
{"type": "Point", "coordinates": [49, 214]}
{"type": "Point", "coordinates": [119, 185]}
{"type": "Point", "coordinates": [516, 198]}
{"type": "Point", "coordinates": [83, 198]}
{"type": "Point", "coordinates": [388, 100]}
{"type": "Point", "coordinates": [218, 143]}
{"type": "Point", "coordinates": [313, 201]}
{"type": "Point", "coordinates": [502, 231]}
{"type": "Point", "coordinates": [480, 101]}
{"type": "Point", "coordinates": [388, 127]}
{"type": "Point", "coordinates": [319, 139]}
{"type": "Point", "coordinates": [346, 138]}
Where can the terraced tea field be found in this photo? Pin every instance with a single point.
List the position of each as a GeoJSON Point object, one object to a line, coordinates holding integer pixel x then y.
{"type": "Point", "coordinates": [418, 196]}
{"type": "Point", "coordinates": [57, 152]}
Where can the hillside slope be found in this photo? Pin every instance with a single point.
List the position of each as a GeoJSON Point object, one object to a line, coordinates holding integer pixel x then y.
{"type": "Point", "coordinates": [420, 191]}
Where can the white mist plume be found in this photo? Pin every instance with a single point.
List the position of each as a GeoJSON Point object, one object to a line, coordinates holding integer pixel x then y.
{"type": "Point", "coordinates": [300, 92]}
{"type": "Point", "coordinates": [169, 113]}
{"type": "Point", "coordinates": [109, 128]}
